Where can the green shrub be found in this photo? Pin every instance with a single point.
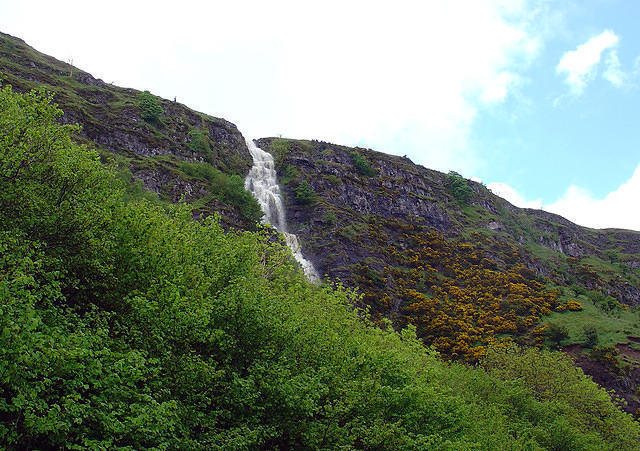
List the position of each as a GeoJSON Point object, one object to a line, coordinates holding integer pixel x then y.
{"type": "Point", "coordinates": [348, 232]}
{"type": "Point", "coordinates": [334, 180]}
{"type": "Point", "coordinates": [591, 336]}
{"type": "Point", "coordinates": [458, 187]}
{"type": "Point", "coordinates": [575, 411]}
{"type": "Point", "coordinates": [362, 165]}
{"type": "Point", "coordinates": [304, 194]}
{"type": "Point", "coordinates": [198, 142]}
{"type": "Point", "coordinates": [556, 333]}
{"type": "Point", "coordinates": [150, 110]}
{"type": "Point", "coordinates": [330, 218]}
{"type": "Point", "coordinates": [605, 302]}
{"type": "Point", "coordinates": [289, 174]}
{"type": "Point", "coordinates": [279, 147]}
{"type": "Point", "coordinates": [226, 188]}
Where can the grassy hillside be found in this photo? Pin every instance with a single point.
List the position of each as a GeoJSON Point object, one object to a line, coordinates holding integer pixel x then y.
{"type": "Point", "coordinates": [128, 325]}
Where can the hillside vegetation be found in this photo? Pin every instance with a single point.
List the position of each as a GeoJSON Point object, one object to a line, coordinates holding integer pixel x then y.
{"type": "Point", "coordinates": [159, 145]}
{"type": "Point", "coordinates": [125, 324]}
{"type": "Point", "coordinates": [464, 266]}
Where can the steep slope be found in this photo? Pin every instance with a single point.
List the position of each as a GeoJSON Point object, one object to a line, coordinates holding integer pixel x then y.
{"type": "Point", "coordinates": [344, 196]}
{"type": "Point", "coordinates": [164, 144]}
{"type": "Point", "coordinates": [463, 265]}
{"type": "Point", "coordinates": [125, 325]}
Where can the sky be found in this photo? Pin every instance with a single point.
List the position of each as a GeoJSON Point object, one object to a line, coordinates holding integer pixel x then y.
{"type": "Point", "coordinates": [536, 99]}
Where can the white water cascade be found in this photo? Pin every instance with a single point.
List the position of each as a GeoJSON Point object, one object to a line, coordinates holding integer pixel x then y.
{"type": "Point", "coordinates": [262, 183]}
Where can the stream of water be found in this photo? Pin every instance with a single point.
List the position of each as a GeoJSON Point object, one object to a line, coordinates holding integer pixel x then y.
{"type": "Point", "coordinates": [263, 185]}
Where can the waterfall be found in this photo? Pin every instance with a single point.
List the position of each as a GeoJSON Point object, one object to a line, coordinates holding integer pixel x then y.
{"type": "Point", "coordinates": [262, 183]}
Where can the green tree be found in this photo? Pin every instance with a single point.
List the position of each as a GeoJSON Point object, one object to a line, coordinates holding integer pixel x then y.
{"type": "Point", "coordinates": [199, 142]}
{"type": "Point", "coordinates": [304, 194]}
{"type": "Point", "coordinates": [150, 110]}
{"type": "Point", "coordinates": [557, 333]}
{"type": "Point", "coordinates": [458, 187]}
{"type": "Point", "coordinates": [362, 165]}
{"type": "Point", "coordinates": [591, 336]}
{"type": "Point", "coordinates": [53, 190]}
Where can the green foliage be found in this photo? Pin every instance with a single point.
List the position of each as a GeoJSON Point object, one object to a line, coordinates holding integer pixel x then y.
{"type": "Point", "coordinates": [330, 218]}
{"type": "Point", "coordinates": [199, 142]}
{"type": "Point", "coordinates": [348, 232]}
{"type": "Point", "coordinates": [127, 325]}
{"type": "Point", "coordinates": [556, 333]}
{"type": "Point", "coordinates": [613, 326]}
{"type": "Point", "coordinates": [362, 165]}
{"type": "Point", "coordinates": [279, 147]}
{"type": "Point", "coordinates": [50, 188]}
{"type": "Point", "coordinates": [605, 302]}
{"type": "Point", "coordinates": [304, 194]}
{"type": "Point", "coordinates": [134, 189]}
{"type": "Point", "coordinates": [579, 413]}
{"type": "Point", "coordinates": [150, 110]}
{"type": "Point", "coordinates": [458, 187]}
{"type": "Point", "coordinates": [334, 180]}
{"type": "Point", "coordinates": [289, 174]}
{"type": "Point", "coordinates": [590, 336]}
{"type": "Point", "coordinates": [226, 188]}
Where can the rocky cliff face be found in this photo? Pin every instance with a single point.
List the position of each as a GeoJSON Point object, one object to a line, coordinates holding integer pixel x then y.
{"type": "Point", "coordinates": [345, 199]}
{"type": "Point", "coordinates": [348, 188]}
{"type": "Point", "coordinates": [111, 121]}
{"type": "Point", "coordinates": [467, 270]}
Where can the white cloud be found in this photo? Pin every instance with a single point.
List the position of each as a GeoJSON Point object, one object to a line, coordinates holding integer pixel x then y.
{"type": "Point", "coordinates": [509, 193]}
{"type": "Point", "coordinates": [580, 64]}
{"type": "Point", "coordinates": [613, 73]}
{"type": "Point", "coordinates": [404, 77]}
{"type": "Point", "coordinates": [618, 209]}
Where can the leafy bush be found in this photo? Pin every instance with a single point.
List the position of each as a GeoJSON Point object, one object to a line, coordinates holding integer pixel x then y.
{"type": "Point", "coordinates": [606, 303]}
{"type": "Point", "coordinates": [556, 333]}
{"type": "Point", "coordinates": [458, 187]}
{"type": "Point", "coordinates": [289, 174]}
{"type": "Point", "coordinates": [334, 180]}
{"type": "Point", "coordinates": [590, 336]}
{"type": "Point", "coordinates": [279, 147]}
{"type": "Point", "coordinates": [577, 411]}
{"type": "Point", "coordinates": [150, 110]}
{"type": "Point", "coordinates": [198, 143]}
{"type": "Point", "coordinates": [330, 218]}
{"type": "Point", "coordinates": [362, 165]}
{"type": "Point", "coordinates": [304, 194]}
{"type": "Point", "coordinates": [574, 306]}
{"type": "Point", "coordinates": [225, 188]}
